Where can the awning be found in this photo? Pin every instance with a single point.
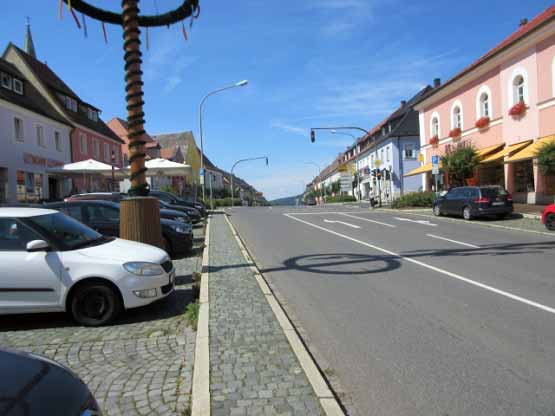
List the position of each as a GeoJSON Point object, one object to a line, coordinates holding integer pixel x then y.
{"type": "Point", "coordinates": [422, 169]}
{"type": "Point", "coordinates": [487, 150]}
{"type": "Point", "coordinates": [530, 152]}
{"type": "Point", "coordinates": [505, 152]}
{"type": "Point", "coordinates": [164, 167]}
{"type": "Point", "coordinates": [89, 166]}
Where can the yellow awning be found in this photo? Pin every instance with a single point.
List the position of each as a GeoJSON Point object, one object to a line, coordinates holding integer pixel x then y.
{"type": "Point", "coordinates": [422, 169]}
{"type": "Point", "coordinates": [529, 152]}
{"type": "Point", "coordinates": [487, 150]}
{"type": "Point", "coordinates": [506, 151]}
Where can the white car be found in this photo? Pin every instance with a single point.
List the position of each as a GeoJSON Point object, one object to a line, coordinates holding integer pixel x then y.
{"type": "Point", "coordinates": [50, 262]}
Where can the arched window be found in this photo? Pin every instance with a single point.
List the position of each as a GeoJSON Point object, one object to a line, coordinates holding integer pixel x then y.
{"type": "Point", "coordinates": [518, 89]}
{"type": "Point", "coordinates": [457, 118]}
{"type": "Point", "coordinates": [553, 76]}
{"type": "Point", "coordinates": [484, 105]}
{"type": "Point", "coordinates": [435, 126]}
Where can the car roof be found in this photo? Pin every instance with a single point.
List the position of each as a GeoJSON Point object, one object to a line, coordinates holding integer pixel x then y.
{"type": "Point", "coordinates": [84, 202]}
{"type": "Point", "coordinates": [21, 212]}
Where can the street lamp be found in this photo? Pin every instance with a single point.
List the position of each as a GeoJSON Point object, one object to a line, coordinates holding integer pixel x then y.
{"type": "Point", "coordinates": [238, 84]}
{"type": "Point", "coordinates": [318, 174]}
{"type": "Point", "coordinates": [233, 167]}
{"type": "Point", "coordinates": [313, 138]}
{"type": "Point", "coordinates": [113, 168]}
{"type": "Point", "coordinates": [357, 154]}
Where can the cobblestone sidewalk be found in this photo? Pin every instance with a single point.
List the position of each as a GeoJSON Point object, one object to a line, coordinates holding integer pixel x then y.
{"type": "Point", "coordinates": [140, 365]}
{"type": "Point", "coordinates": [253, 370]}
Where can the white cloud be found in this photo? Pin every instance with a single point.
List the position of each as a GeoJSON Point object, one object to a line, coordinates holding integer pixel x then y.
{"type": "Point", "coordinates": [301, 131]}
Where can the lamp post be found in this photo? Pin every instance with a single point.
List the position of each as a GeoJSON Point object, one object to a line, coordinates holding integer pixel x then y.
{"type": "Point", "coordinates": [233, 167]}
{"type": "Point", "coordinates": [238, 84]}
{"type": "Point", "coordinates": [357, 154]}
{"type": "Point", "coordinates": [113, 168]}
{"type": "Point", "coordinates": [313, 138]}
{"type": "Point", "coordinates": [318, 174]}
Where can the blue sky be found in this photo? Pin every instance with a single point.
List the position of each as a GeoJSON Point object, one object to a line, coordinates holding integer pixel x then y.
{"type": "Point", "coordinates": [309, 63]}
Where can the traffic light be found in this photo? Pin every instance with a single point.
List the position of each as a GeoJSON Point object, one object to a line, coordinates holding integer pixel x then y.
{"type": "Point", "coordinates": [312, 136]}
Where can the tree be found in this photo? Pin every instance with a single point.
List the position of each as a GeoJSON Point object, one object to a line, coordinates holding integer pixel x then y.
{"type": "Point", "coordinates": [546, 159]}
{"type": "Point", "coordinates": [459, 162]}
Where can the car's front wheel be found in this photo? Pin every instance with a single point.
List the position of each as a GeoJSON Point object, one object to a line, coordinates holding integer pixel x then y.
{"type": "Point", "coordinates": [550, 222]}
{"type": "Point", "coordinates": [95, 304]}
{"type": "Point", "coordinates": [437, 210]}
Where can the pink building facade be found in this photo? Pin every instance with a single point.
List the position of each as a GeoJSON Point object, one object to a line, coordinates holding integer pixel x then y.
{"type": "Point", "coordinates": [477, 106]}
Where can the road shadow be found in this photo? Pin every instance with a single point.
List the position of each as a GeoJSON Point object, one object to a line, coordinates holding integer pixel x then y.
{"type": "Point", "coordinates": [334, 264]}
{"type": "Point", "coordinates": [508, 249]}
{"type": "Point", "coordinates": [173, 305]}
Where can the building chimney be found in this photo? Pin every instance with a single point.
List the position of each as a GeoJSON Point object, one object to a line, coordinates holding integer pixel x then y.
{"type": "Point", "coordinates": [523, 22]}
{"type": "Point", "coordinates": [437, 82]}
{"type": "Point", "coordinates": [403, 103]}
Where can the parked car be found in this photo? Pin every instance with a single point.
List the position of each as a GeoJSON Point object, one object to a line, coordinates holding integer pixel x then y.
{"type": "Point", "coordinates": [103, 216]}
{"type": "Point", "coordinates": [474, 201]}
{"type": "Point", "coordinates": [118, 196]}
{"type": "Point", "coordinates": [35, 385]}
{"type": "Point", "coordinates": [50, 262]}
{"type": "Point", "coordinates": [310, 200]}
{"type": "Point", "coordinates": [173, 199]}
{"type": "Point", "coordinates": [174, 203]}
{"type": "Point", "coordinates": [548, 217]}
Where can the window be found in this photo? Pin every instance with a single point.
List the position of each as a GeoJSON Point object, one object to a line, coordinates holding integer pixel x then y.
{"type": "Point", "coordinates": [83, 143]}
{"type": "Point", "coordinates": [115, 152]}
{"type": "Point", "coordinates": [96, 149]}
{"type": "Point", "coordinates": [18, 129]}
{"type": "Point", "coordinates": [484, 105]}
{"type": "Point", "coordinates": [15, 236]}
{"type": "Point", "coordinates": [18, 86]}
{"type": "Point", "coordinates": [106, 152]}
{"type": "Point", "coordinates": [92, 114]}
{"type": "Point", "coordinates": [6, 80]}
{"type": "Point", "coordinates": [70, 103]}
{"type": "Point", "coordinates": [73, 211]}
{"type": "Point", "coordinates": [409, 151]}
{"type": "Point", "coordinates": [125, 159]}
{"type": "Point", "coordinates": [388, 153]}
{"type": "Point", "coordinates": [457, 118]}
{"type": "Point", "coordinates": [97, 213]}
{"type": "Point", "coordinates": [40, 136]}
{"type": "Point", "coordinates": [58, 141]}
{"type": "Point", "coordinates": [381, 155]}
{"type": "Point", "coordinates": [518, 89]}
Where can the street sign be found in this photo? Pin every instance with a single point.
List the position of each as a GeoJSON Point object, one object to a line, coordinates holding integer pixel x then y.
{"type": "Point", "coordinates": [346, 182]}
{"type": "Point", "coordinates": [201, 176]}
{"type": "Point", "coordinates": [435, 160]}
{"type": "Point", "coordinates": [378, 163]}
{"type": "Point", "coordinates": [435, 170]}
{"type": "Point", "coordinates": [420, 157]}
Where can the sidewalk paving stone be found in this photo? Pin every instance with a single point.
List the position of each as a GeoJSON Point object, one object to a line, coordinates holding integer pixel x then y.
{"type": "Point", "coordinates": [253, 370]}
{"type": "Point", "coordinates": [141, 364]}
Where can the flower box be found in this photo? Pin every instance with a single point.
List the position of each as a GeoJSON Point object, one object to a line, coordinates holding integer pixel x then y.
{"type": "Point", "coordinates": [455, 133]}
{"type": "Point", "coordinates": [518, 109]}
{"type": "Point", "coordinates": [482, 122]}
{"type": "Point", "coordinates": [434, 141]}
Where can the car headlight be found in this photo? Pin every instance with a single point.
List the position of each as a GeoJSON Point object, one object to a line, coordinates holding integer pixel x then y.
{"type": "Point", "coordinates": [140, 268]}
{"type": "Point", "coordinates": [180, 229]}
{"type": "Point", "coordinates": [181, 219]}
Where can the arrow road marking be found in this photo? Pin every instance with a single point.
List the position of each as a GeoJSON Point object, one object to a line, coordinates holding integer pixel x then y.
{"type": "Point", "coordinates": [341, 222]}
{"type": "Point", "coordinates": [453, 241]}
{"type": "Point", "coordinates": [423, 222]}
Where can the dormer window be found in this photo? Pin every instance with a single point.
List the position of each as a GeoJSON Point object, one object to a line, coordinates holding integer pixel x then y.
{"type": "Point", "coordinates": [70, 103]}
{"type": "Point", "coordinates": [18, 86]}
{"type": "Point", "coordinates": [6, 80]}
{"type": "Point", "coordinates": [92, 114]}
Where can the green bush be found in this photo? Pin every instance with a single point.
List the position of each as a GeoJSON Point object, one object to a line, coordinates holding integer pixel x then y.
{"type": "Point", "coordinates": [226, 202]}
{"type": "Point", "coordinates": [459, 163]}
{"type": "Point", "coordinates": [415, 199]}
{"type": "Point", "coordinates": [191, 314]}
{"type": "Point", "coordinates": [341, 198]}
{"type": "Point", "coordinates": [546, 159]}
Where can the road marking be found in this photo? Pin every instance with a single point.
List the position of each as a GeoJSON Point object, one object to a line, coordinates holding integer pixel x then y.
{"type": "Point", "coordinates": [436, 269]}
{"type": "Point", "coordinates": [366, 219]}
{"type": "Point", "coordinates": [423, 222]}
{"type": "Point", "coordinates": [325, 212]}
{"type": "Point", "coordinates": [341, 222]}
{"type": "Point", "coordinates": [453, 241]}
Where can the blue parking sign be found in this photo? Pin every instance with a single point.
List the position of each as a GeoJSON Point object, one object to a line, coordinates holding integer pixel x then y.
{"type": "Point", "coordinates": [435, 160]}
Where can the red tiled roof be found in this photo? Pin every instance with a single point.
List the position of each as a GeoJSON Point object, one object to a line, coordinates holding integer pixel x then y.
{"type": "Point", "coordinates": [168, 152]}
{"type": "Point", "coordinates": [522, 32]}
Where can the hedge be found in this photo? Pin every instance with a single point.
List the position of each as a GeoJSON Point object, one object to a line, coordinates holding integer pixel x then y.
{"type": "Point", "coordinates": [226, 202]}
{"type": "Point", "coordinates": [415, 199]}
{"type": "Point", "coordinates": [340, 198]}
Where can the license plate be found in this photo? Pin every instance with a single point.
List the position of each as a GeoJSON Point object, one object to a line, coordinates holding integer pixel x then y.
{"type": "Point", "coordinates": [498, 203]}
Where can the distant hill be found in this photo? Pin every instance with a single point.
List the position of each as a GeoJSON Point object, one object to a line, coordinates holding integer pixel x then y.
{"type": "Point", "coordinates": [290, 200]}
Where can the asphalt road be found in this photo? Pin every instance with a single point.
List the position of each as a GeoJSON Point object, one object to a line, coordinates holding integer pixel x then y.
{"type": "Point", "coordinates": [417, 316]}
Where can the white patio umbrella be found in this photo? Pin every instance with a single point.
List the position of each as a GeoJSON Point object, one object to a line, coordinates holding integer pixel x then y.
{"type": "Point", "coordinates": [85, 166]}
{"type": "Point", "coordinates": [164, 167]}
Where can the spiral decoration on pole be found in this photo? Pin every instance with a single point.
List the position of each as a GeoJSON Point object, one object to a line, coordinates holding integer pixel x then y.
{"type": "Point", "coordinates": [131, 21]}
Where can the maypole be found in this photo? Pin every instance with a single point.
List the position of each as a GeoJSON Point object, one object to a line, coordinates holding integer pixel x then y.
{"type": "Point", "coordinates": [140, 214]}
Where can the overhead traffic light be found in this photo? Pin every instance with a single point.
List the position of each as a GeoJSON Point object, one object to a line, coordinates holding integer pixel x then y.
{"type": "Point", "coordinates": [312, 136]}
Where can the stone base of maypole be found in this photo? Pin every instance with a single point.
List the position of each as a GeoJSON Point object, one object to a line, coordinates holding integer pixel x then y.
{"type": "Point", "coordinates": [140, 220]}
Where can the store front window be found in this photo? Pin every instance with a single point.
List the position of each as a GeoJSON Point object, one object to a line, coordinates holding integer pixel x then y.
{"type": "Point", "coordinates": [3, 185]}
{"type": "Point", "coordinates": [524, 176]}
{"type": "Point", "coordinates": [29, 186]}
{"type": "Point", "coordinates": [493, 174]}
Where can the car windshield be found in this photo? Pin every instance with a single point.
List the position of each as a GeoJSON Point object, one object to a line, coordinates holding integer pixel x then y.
{"type": "Point", "coordinates": [65, 231]}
